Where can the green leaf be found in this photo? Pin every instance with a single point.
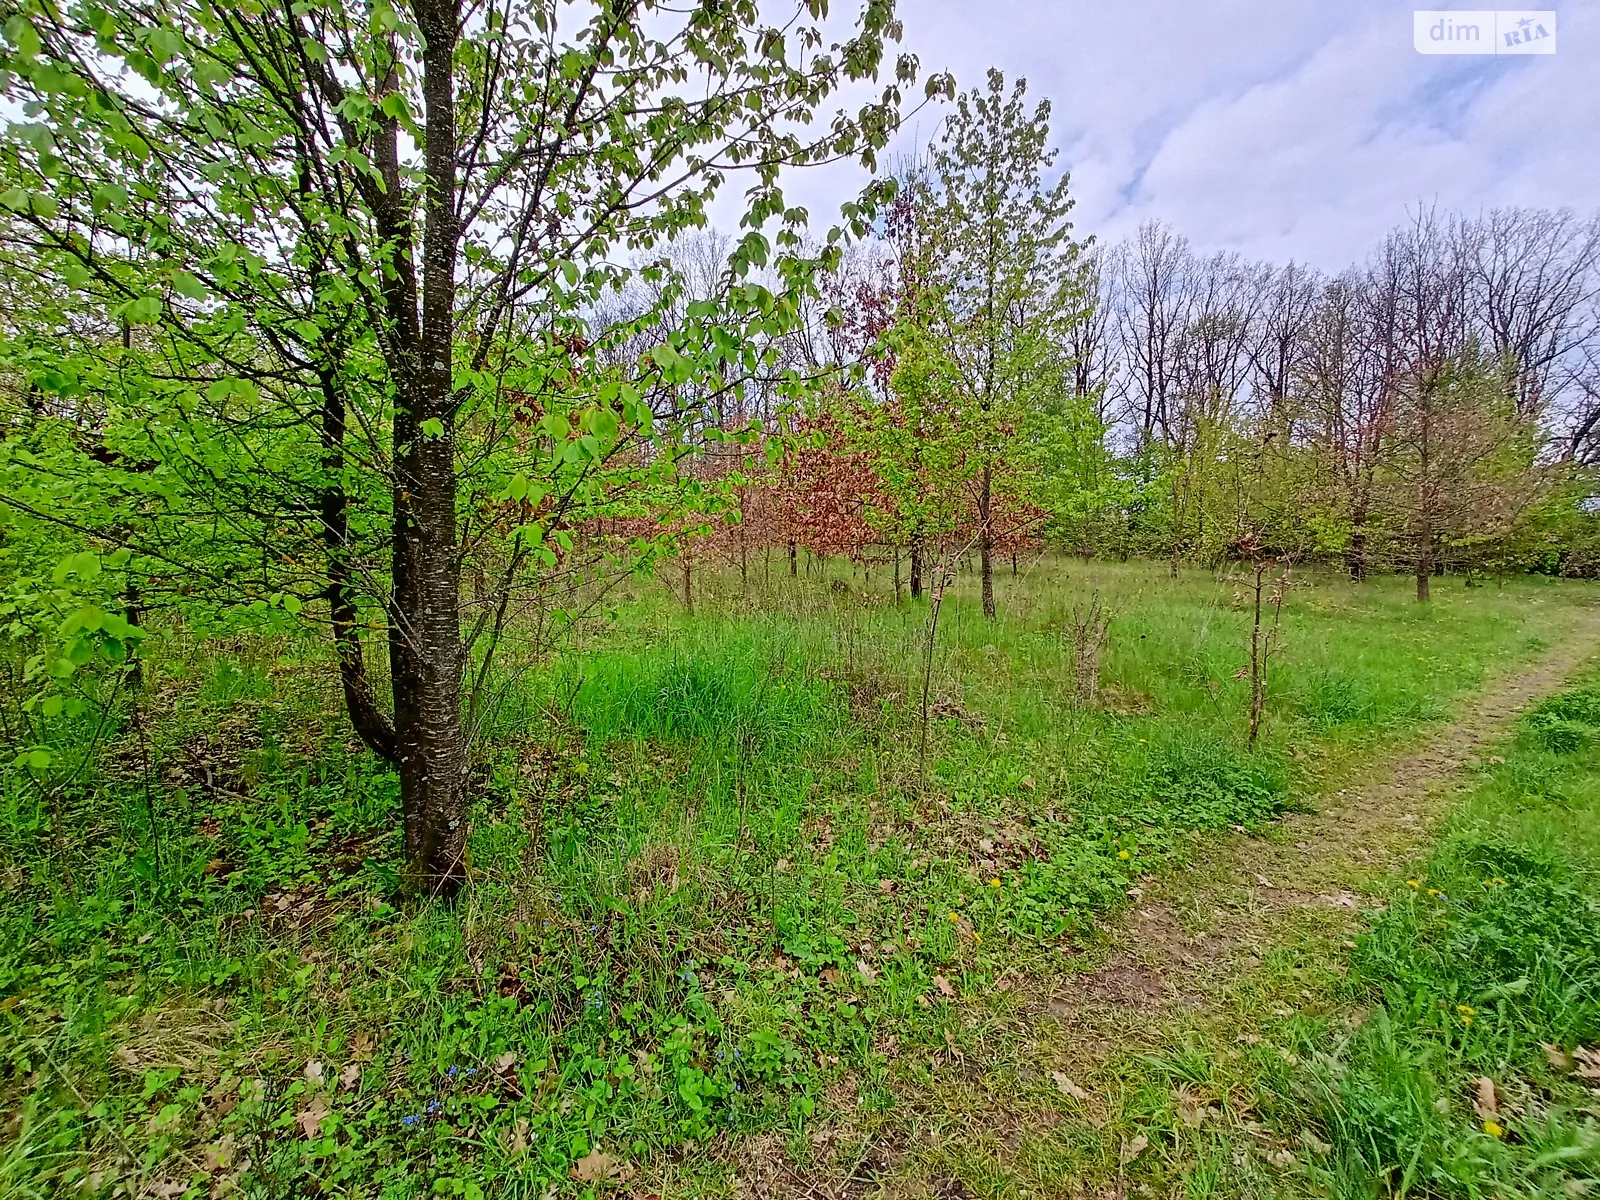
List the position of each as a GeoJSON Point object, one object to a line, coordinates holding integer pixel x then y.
{"type": "Point", "coordinates": [432, 427]}
{"type": "Point", "coordinates": [189, 285]}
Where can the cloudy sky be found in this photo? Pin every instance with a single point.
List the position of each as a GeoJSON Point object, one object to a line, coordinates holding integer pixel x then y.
{"type": "Point", "coordinates": [1281, 128]}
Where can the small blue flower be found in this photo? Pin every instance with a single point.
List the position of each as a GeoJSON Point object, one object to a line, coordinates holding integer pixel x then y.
{"type": "Point", "coordinates": [411, 1120]}
{"type": "Point", "coordinates": [433, 1107]}
{"type": "Point", "coordinates": [451, 1073]}
{"type": "Point", "coordinates": [470, 1072]}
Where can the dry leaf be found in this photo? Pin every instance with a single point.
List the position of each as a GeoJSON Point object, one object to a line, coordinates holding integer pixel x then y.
{"type": "Point", "coordinates": [1484, 1102]}
{"type": "Point", "coordinates": [886, 886]}
{"type": "Point", "coordinates": [360, 1047]}
{"type": "Point", "coordinates": [865, 969]}
{"type": "Point", "coordinates": [1588, 1063]}
{"type": "Point", "coordinates": [125, 1058]}
{"type": "Point", "coordinates": [830, 975]}
{"type": "Point", "coordinates": [944, 986]}
{"type": "Point", "coordinates": [1067, 1088]}
{"type": "Point", "coordinates": [310, 1118]}
{"type": "Point", "coordinates": [1132, 1149]}
{"type": "Point", "coordinates": [595, 1167]}
{"type": "Point", "coordinates": [504, 1062]}
{"type": "Point", "coordinates": [1264, 881]}
{"type": "Point", "coordinates": [314, 1073]}
{"type": "Point", "coordinates": [350, 1076]}
{"type": "Point", "coordinates": [1191, 1111]}
{"type": "Point", "coordinates": [516, 1139]}
{"type": "Point", "coordinates": [1558, 1058]}
{"type": "Point", "coordinates": [219, 1155]}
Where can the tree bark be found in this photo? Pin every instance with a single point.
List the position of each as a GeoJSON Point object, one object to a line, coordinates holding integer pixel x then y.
{"type": "Point", "coordinates": [916, 568]}
{"type": "Point", "coordinates": [425, 626]}
{"type": "Point", "coordinates": [1356, 558]}
{"type": "Point", "coordinates": [985, 541]}
{"type": "Point", "coordinates": [368, 720]}
{"type": "Point", "coordinates": [794, 561]}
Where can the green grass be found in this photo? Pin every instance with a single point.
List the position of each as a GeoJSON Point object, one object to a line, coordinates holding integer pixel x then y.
{"type": "Point", "coordinates": [712, 897]}
{"type": "Point", "coordinates": [1488, 957]}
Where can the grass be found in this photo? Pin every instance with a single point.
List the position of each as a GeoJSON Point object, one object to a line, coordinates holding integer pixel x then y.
{"type": "Point", "coordinates": [1486, 966]}
{"type": "Point", "coordinates": [717, 920]}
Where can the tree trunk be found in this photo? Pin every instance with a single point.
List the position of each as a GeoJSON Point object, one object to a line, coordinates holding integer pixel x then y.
{"type": "Point", "coordinates": [1424, 567]}
{"type": "Point", "coordinates": [425, 626]}
{"type": "Point", "coordinates": [985, 542]}
{"type": "Point", "coordinates": [368, 720]}
{"type": "Point", "coordinates": [794, 561]}
{"type": "Point", "coordinates": [916, 569]}
{"type": "Point", "coordinates": [1356, 559]}
{"type": "Point", "coordinates": [688, 583]}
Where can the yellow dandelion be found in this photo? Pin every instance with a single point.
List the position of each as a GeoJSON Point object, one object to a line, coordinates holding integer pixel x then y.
{"type": "Point", "coordinates": [1412, 883]}
{"type": "Point", "coordinates": [1466, 1020]}
{"type": "Point", "coordinates": [1123, 854]}
{"type": "Point", "coordinates": [1435, 892]}
{"type": "Point", "coordinates": [977, 937]}
{"type": "Point", "coordinates": [954, 917]}
{"type": "Point", "coordinates": [1498, 881]}
{"type": "Point", "coordinates": [994, 883]}
{"type": "Point", "coordinates": [1466, 1010]}
{"type": "Point", "coordinates": [1494, 1129]}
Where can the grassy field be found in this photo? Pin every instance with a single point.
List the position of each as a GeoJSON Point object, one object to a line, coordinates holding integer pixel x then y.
{"type": "Point", "coordinates": [727, 925]}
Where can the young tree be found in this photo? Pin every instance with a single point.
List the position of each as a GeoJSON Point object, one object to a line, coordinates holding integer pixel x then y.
{"type": "Point", "coordinates": [355, 255]}
{"type": "Point", "coordinates": [1002, 278]}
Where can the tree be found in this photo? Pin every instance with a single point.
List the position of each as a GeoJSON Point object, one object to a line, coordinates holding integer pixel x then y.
{"type": "Point", "coordinates": [356, 255]}
{"type": "Point", "coordinates": [1001, 277]}
{"type": "Point", "coordinates": [1454, 437]}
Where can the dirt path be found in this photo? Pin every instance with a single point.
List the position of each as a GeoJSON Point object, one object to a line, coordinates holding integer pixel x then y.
{"type": "Point", "coordinates": [1194, 928]}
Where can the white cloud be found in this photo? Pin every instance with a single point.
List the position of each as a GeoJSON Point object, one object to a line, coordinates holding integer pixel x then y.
{"type": "Point", "coordinates": [1283, 129]}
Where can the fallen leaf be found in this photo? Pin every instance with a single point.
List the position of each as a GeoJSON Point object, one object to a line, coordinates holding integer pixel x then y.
{"type": "Point", "coordinates": [505, 1062]}
{"type": "Point", "coordinates": [1558, 1058]}
{"type": "Point", "coordinates": [1588, 1063]}
{"type": "Point", "coordinates": [943, 985]}
{"type": "Point", "coordinates": [1317, 1145]}
{"type": "Point", "coordinates": [865, 969]}
{"type": "Point", "coordinates": [311, 1116]}
{"type": "Point", "coordinates": [830, 976]}
{"type": "Point", "coordinates": [1264, 881]}
{"type": "Point", "coordinates": [1067, 1088]}
{"type": "Point", "coordinates": [314, 1073]}
{"type": "Point", "coordinates": [125, 1058]}
{"type": "Point", "coordinates": [219, 1155]}
{"type": "Point", "coordinates": [1191, 1111]}
{"type": "Point", "coordinates": [1484, 1102]}
{"type": "Point", "coordinates": [360, 1047]}
{"type": "Point", "coordinates": [886, 886]}
{"type": "Point", "coordinates": [350, 1076]}
{"type": "Point", "coordinates": [1133, 1148]}
{"type": "Point", "coordinates": [516, 1139]}
{"type": "Point", "coordinates": [595, 1167]}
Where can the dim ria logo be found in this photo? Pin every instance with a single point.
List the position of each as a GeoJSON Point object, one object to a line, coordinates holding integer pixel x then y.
{"type": "Point", "coordinates": [1518, 31]}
